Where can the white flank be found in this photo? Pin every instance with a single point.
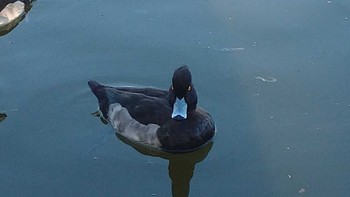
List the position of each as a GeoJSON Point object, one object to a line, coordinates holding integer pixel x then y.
{"type": "Point", "coordinates": [133, 130]}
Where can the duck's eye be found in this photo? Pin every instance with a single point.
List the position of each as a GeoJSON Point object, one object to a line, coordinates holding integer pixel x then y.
{"type": "Point", "coordinates": [172, 87]}
{"type": "Point", "coordinates": [189, 88]}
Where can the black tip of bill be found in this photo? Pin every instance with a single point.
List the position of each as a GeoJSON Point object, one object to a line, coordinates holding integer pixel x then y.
{"type": "Point", "coordinates": [178, 117]}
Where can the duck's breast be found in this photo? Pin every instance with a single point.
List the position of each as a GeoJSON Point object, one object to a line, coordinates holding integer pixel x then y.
{"type": "Point", "coordinates": [189, 134]}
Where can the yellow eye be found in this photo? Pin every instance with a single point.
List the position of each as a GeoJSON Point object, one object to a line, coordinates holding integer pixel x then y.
{"type": "Point", "coordinates": [189, 88]}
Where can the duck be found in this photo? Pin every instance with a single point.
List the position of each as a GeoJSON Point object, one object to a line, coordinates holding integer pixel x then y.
{"type": "Point", "coordinates": [168, 120]}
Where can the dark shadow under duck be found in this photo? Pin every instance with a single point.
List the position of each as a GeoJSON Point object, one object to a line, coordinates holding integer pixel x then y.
{"type": "Point", "coordinates": [168, 120]}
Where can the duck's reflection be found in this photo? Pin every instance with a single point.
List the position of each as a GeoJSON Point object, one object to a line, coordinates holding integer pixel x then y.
{"type": "Point", "coordinates": [181, 166]}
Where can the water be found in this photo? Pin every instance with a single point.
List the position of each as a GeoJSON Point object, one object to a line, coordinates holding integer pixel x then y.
{"type": "Point", "coordinates": [287, 135]}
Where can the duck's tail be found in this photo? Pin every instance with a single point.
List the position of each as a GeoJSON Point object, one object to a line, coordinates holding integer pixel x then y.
{"type": "Point", "coordinates": [95, 86]}
{"type": "Point", "coordinates": [100, 92]}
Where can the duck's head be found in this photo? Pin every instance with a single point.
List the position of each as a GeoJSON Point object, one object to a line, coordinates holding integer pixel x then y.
{"type": "Point", "coordinates": [182, 95]}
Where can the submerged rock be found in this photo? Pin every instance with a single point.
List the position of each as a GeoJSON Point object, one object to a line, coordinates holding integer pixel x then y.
{"type": "Point", "coordinates": [11, 13]}
{"type": "Point", "coordinates": [4, 3]}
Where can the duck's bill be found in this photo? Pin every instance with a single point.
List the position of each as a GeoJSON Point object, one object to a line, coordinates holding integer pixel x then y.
{"type": "Point", "coordinates": [179, 109]}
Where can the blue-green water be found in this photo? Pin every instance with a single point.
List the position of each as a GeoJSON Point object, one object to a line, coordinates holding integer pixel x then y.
{"type": "Point", "coordinates": [274, 75]}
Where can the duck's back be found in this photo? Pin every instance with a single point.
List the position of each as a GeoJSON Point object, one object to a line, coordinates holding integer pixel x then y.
{"type": "Point", "coordinates": [145, 105]}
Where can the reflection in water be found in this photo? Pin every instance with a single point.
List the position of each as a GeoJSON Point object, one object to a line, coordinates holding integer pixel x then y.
{"type": "Point", "coordinates": [181, 166]}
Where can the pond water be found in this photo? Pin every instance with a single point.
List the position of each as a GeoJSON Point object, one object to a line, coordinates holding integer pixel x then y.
{"type": "Point", "coordinates": [273, 74]}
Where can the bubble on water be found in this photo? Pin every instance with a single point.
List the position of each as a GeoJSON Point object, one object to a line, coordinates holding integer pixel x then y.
{"type": "Point", "coordinates": [227, 50]}
{"type": "Point", "coordinates": [198, 42]}
{"type": "Point", "coordinates": [150, 162]}
{"type": "Point", "coordinates": [267, 79]}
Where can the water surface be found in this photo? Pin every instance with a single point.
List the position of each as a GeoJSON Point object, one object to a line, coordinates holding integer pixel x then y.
{"type": "Point", "coordinates": [274, 75]}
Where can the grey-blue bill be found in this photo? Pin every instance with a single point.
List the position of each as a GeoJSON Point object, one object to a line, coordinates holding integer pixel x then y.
{"type": "Point", "coordinates": [179, 109]}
